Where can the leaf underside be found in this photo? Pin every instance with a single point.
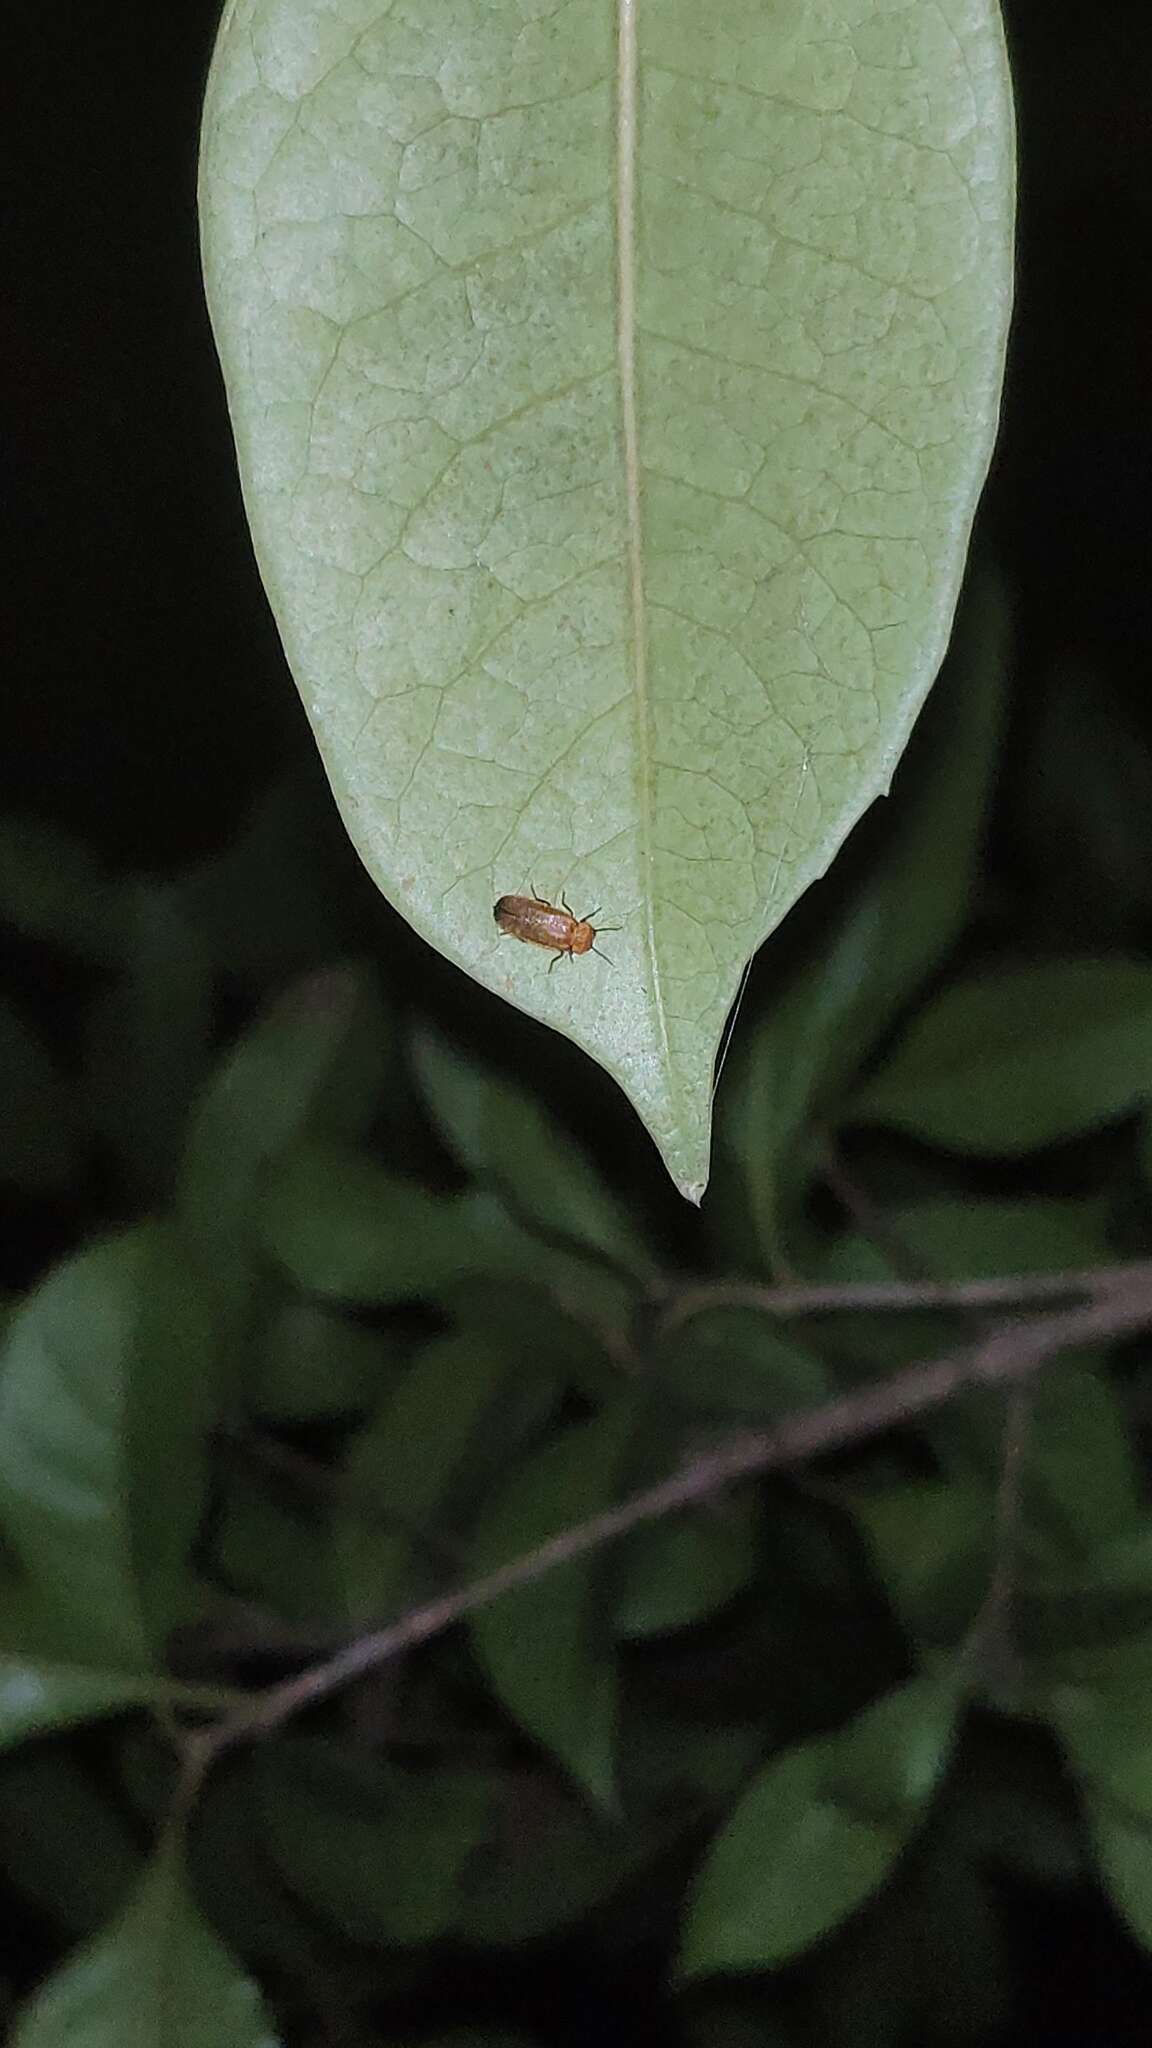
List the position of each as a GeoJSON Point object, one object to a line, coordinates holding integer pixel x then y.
{"type": "Point", "coordinates": [612, 392]}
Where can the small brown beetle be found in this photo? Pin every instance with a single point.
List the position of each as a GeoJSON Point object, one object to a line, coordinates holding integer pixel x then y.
{"type": "Point", "coordinates": [543, 924]}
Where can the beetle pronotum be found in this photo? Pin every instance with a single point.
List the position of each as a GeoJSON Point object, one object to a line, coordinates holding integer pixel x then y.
{"type": "Point", "coordinates": [545, 924]}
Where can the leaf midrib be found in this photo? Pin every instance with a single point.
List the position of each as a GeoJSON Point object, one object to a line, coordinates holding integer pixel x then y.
{"type": "Point", "coordinates": [626, 135]}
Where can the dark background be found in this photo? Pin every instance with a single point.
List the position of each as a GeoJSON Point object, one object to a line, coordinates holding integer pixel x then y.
{"type": "Point", "coordinates": [147, 703]}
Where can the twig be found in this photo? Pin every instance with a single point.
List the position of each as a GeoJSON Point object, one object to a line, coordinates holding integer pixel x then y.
{"type": "Point", "coordinates": [1005, 1357]}
{"type": "Point", "coordinates": [1095, 1283]}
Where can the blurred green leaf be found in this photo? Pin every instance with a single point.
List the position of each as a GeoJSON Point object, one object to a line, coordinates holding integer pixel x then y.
{"type": "Point", "coordinates": [414, 1478]}
{"type": "Point", "coordinates": [269, 1548]}
{"type": "Point", "coordinates": [64, 1841]}
{"type": "Point", "coordinates": [37, 1697]}
{"type": "Point", "coordinates": [1081, 1487]}
{"type": "Point", "coordinates": [313, 1063]}
{"type": "Point", "coordinates": [817, 1832]}
{"type": "Point", "coordinates": [146, 1769]}
{"type": "Point", "coordinates": [680, 1570]}
{"type": "Point", "coordinates": [683, 1766]}
{"type": "Point", "coordinates": [379, 1854]}
{"type": "Point", "coordinates": [147, 1039]}
{"type": "Point", "coordinates": [53, 889]}
{"type": "Point", "coordinates": [1121, 1844]}
{"type": "Point", "coordinates": [548, 1862]}
{"type": "Point", "coordinates": [157, 1978]}
{"type": "Point", "coordinates": [1117, 1666]}
{"type": "Point", "coordinates": [238, 1888]}
{"type": "Point", "coordinates": [1108, 1739]}
{"type": "Point", "coordinates": [39, 1694]}
{"type": "Point", "coordinates": [895, 923]}
{"type": "Point", "coordinates": [274, 904]}
{"type": "Point", "coordinates": [37, 1138]}
{"type": "Point", "coordinates": [546, 1646]}
{"type": "Point", "coordinates": [1083, 1483]}
{"type": "Point", "coordinates": [108, 1381]}
{"type": "Point", "coordinates": [1017, 1811]}
{"type": "Point", "coordinates": [927, 1963]}
{"type": "Point", "coordinates": [582, 1293]}
{"type": "Point", "coordinates": [933, 1547]}
{"type": "Point", "coordinates": [1112, 1578]}
{"type": "Point", "coordinates": [736, 1362]}
{"type": "Point", "coordinates": [971, 1239]}
{"type": "Point", "coordinates": [954, 1239]}
{"type": "Point", "coordinates": [1082, 804]}
{"type": "Point", "coordinates": [311, 1362]}
{"type": "Point", "coordinates": [47, 1683]}
{"type": "Point", "coordinates": [1020, 1057]}
{"type": "Point", "coordinates": [342, 1226]}
{"type": "Point", "coordinates": [1079, 1483]}
{"type": "Point", "coordinates": [503, 1135]}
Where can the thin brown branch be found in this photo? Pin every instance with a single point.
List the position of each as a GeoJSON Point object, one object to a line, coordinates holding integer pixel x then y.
{"type": "Point", "coordinates": [1093, 1283]}
{"type": "Point", "coordinates": [1005, 1358]}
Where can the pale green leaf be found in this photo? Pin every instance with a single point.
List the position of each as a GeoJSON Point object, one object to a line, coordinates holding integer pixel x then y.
{"type": "Point", "coordinates": [157, 1978]}
{"type": "Point", "coordinates": [612, 397]}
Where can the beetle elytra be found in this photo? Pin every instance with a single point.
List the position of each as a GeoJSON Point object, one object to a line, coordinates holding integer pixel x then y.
{"type": "Point", "coordinates": [540, 923]}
